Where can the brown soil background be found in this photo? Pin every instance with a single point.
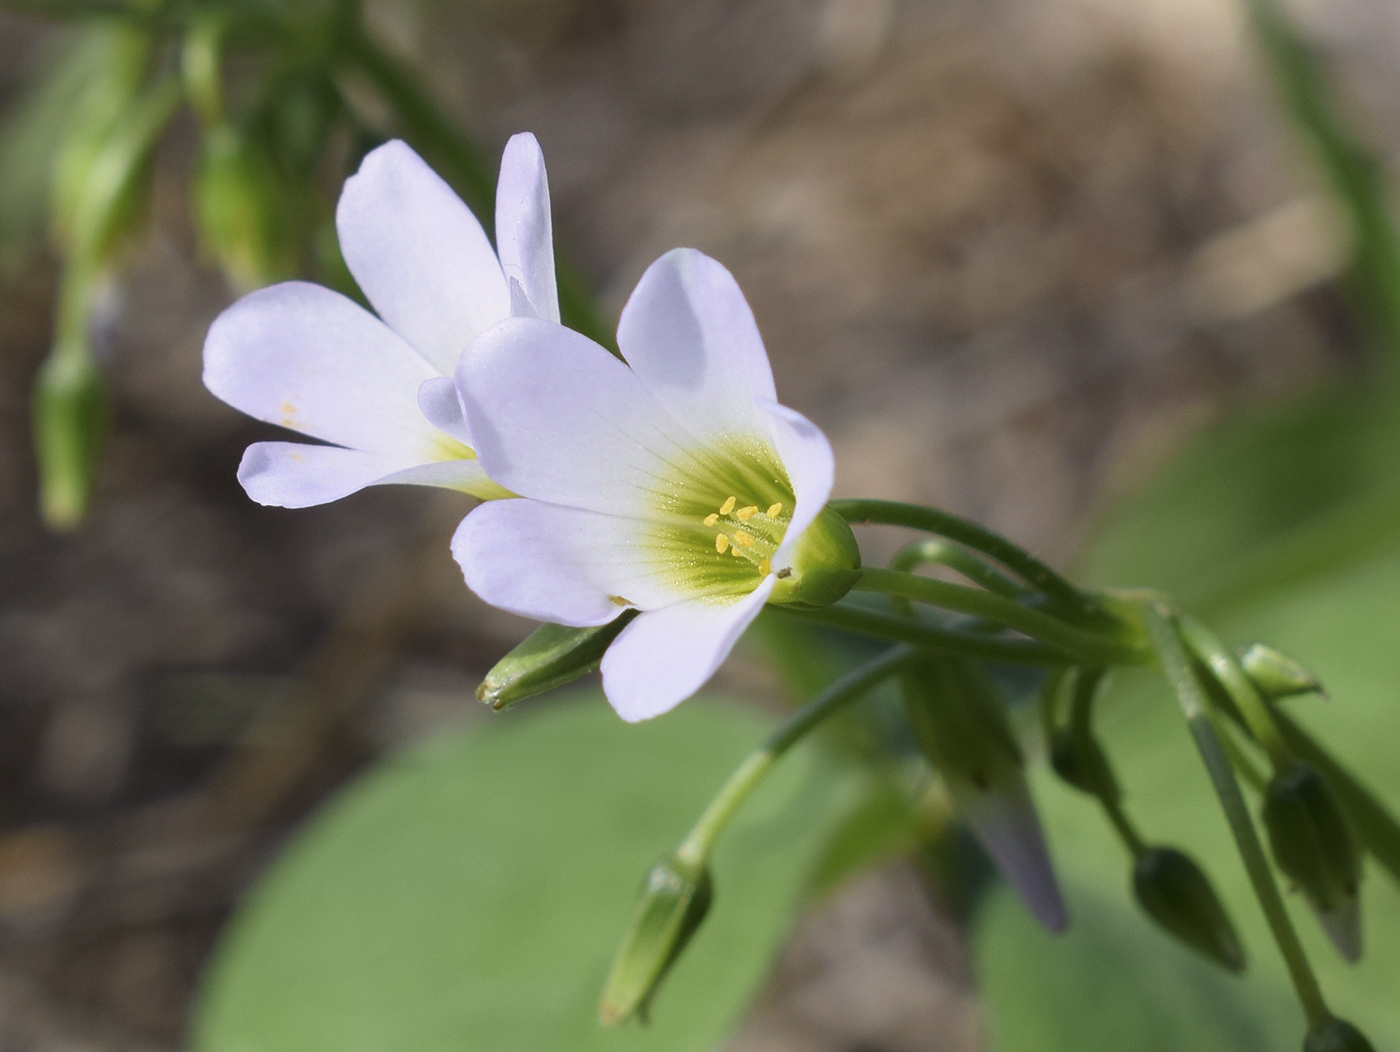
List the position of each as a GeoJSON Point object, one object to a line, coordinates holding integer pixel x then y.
{"type": "Point", "coordinates": [1008, 253]}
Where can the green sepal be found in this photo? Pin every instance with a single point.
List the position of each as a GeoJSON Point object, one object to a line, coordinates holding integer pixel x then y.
{"type": "Point", "coordinates": [675, 899]}
{"type": "Point", "coordinates": [1276, 675]}
{"type": "Point", "coordinates": [1176, 894]}
{"type": "Point", "coordinates": [1337, 1036]}
{"type": "Point", "coordinates": [549, 657]}
{"type": "Point", "coordinates": [825, 564]}
{"type": "Point", "coordinates": [960, 724]}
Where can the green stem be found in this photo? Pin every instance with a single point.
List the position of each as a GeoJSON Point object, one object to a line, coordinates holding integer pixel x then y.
{"type": "Point", "coordinates": [1243, 765]}
{"type": "Point", "coordinates": [1089, 647]}
{"type": "Point", "coordinates": [1376, 826]}
{"type": "Point", "coordinates": [453, 153]}
{"type": "Point", "coordinates": [1227, 672]}
{"type": "Point", "coordinates": [698, 842]}
{"type": "Point", "coordinates": [1063, 595]}
{"type": "Point", "coordinates": [1177, 666]}
{"type": "Point", "coordinates": [961, 561]}
{"type": "Point", "coordinates": [1126, 832]}
{"type": "Point", "coordinates": [968, 644]}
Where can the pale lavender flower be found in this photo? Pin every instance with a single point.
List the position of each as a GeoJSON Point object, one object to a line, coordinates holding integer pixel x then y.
{"type": "Point", "coordinates": [674, 484]}
{"type": "Point", "coordinates": [378, 388]}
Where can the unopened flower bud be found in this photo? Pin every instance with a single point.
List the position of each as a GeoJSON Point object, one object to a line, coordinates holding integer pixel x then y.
{"type": "Point", "coordinates": [1080, 760]}
{"type": "Point", "coordinates": [549, 657]}
{"type": "Point", "coordinates": [244, 217]}
{"type": "Point", "coordinates": [1178, 896]}
{"type": "Point", "coordinates": [1276, 675]}
{"type": "Point", "coordinates": [1314, 846]}
{"type": "Point", "coordinates": [675, 898]}
{"type": "Point", "coordinates": [69, 424]}
{"type": "Point", "coordinates": [1337, 1036]}
{"type": "Point", "coordinates": [960, 724]}
{"type": "Point", "coordinates": [824, 566]}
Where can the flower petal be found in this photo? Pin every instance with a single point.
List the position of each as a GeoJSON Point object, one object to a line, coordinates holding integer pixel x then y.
{"type": "Point", "coordinates": [666, 655]}
{"type": "Point", "coordinates": [309, 359]}
{"type": "Point", "coordinates": [557, 418]}
{"type": "Point", "coordinates": [690, 335]}
{"type": "Point", "coordinates": [419, 255]}
{"type": "Point", "coordinates": [524, 237]}
{"type": "Point", "coordinates": [558, 564]}
{"type": "Point", "coordinates": [437, 398]}
{"type": "Point", "coordinates": [811, 468]}
{"type": "Point", "coordinates": [297, 475]}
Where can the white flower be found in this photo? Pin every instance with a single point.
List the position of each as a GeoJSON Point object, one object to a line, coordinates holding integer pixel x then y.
{"type": "Point", "coordinates": [677, 487]}
{"type": "Point", "coordinates": [378, 388]}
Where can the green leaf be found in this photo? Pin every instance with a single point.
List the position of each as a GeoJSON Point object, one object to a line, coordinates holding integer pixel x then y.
{"type": "Point", "coordinates": [470, 893]}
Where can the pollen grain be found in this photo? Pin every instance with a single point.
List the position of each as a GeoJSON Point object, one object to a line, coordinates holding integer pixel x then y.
{"type": "Point", "coordinates": [721, 543]}
{"type": "Point", "coordinates": [728, 505]}
{"type": "Point", "coordinates": [711, 519]}
{"type": "Point", "coordinates": [774, 510]}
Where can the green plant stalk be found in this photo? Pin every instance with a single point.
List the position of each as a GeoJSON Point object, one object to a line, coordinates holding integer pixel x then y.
{"type": "Point", "coordinates": [964, 643]}
{"type": "Point", "coordinates": [1356, 177]}
{"type": "Point", "coordinates": [1089, 647]}
{"type": "Point", "coordinates": [1376, 826]}
{"type": "Point", "coordinates": [453, 152]}
{"type": "Point", "coordinates": [1257, 717]}
{"type": "Point", "coordinates": [1177, 667]}
{"type": "Point", "coordinates": [959, 560]}
{"type": "Point", "coordinates": [1062, 594]}
{"type": "Point", "coordinates": [755, 767]}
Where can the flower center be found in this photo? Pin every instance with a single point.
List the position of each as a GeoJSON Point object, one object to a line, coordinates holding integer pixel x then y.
{"type": "Point", "coordinates": [721, 519]}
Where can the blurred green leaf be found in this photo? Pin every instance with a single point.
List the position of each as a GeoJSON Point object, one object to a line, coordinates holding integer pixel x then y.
{"type": "Point", "coordinates": [470, 894]}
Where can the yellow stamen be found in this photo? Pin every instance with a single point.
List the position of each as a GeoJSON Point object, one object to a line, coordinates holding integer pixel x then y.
{"type": "Point", "coordinates": [721, 542]}
{"type": "Point", "coordinates": [728, 505]}
{"type": "Point", "coordinates": [764, 567]}
{"type": "Point", "coordinates": [736, 553]}
{"type": "Point", "coordinates": [740, 537]}
{"type": "Point", "coordinates": [745, 514]}
{"type": "Point", "coordinates": [774, 510]}
{"type": "Point", "coordinates": [711, 519]}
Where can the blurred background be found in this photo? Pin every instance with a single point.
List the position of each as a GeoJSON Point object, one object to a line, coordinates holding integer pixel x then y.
{"type": "Point", "coordinates": [1009, 254]}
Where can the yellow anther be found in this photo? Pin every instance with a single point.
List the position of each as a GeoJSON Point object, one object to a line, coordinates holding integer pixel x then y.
{"type": "Point", "coordinates": [764, 567]}
{"type": "Point", "coordinates": [740, 537]}
{"type": "Point", "coordinates": [774, 510]}
{"type": "Point", "coordinates": [745, 514]}
{"type": "Point", "coordinates": [711, 519]}
{"type": "Point", "coordinates": [721, 542]}
{"type": "Point", "coordinates": [728, 505]}
{"type": "Point", "coordinates": [736, 553]}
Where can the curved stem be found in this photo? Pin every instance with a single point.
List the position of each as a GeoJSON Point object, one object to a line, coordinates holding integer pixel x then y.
{"type": "Point", "coordinates": [1068, 599]}
{"type": "Point", "coordinates": [758, 763]}
{"type": "Point", "coordinates": [975, 645]}
{"type": "Point", "coordinates": [1177, 667]}
{"type": "Point", "coordinates": [961, 561]}
{"type": "Point", "coordinates": [1090, 647]}
{"type": "Point", "coordinates": [1227, 672]}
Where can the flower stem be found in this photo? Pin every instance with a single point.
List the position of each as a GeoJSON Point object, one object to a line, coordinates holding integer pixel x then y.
{"type": "Point", "coordinates": [965, 643]}
{"type": "Point", "coordinates": [1177, 667]}
{"type": "Point", "coordinates": [1064, 596]}
{"type": "Point", "coordinates": [755, 767]}
{"type": "Point", "coordinates": [1227, 672]}
{"type": "Point", "coordinates": [1089, 647]}
{"type": "Point", "coordinates": [961, 561]}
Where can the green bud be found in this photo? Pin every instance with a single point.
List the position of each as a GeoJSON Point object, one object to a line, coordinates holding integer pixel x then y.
{"type": "Point", "coordinates": [1275, 675]}
{"type": "Point", "coordinates": [69, 424]}
{"type": "Point", "coordinates": [1314, 846]}
{"type": "Point", "coordinates": [959, 722]}
{"type": "Point", "coordinates": [1337, 1036]}
{"type": "Point", "coordinates": [675, 898]}
{"type": "Point", "coordinates": [1178, 896]}
{"type": "Point", "coordinates": [1079, 759]}
{"type": "Point", "coordinates": [243, 211]}
{"type": "Point", "coordinates": [549, 657]}
{"type": "Point", "coordinates": [825, 565]}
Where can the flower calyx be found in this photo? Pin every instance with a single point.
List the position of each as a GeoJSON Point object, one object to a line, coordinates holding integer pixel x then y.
{"type": "Point", "coordinates": [824, 566]}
